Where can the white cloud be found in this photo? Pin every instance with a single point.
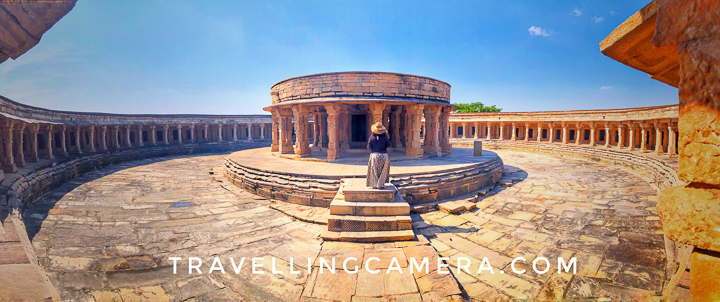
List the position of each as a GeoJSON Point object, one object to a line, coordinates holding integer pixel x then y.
{"type": "Point", "coordinates": [604, 87]}
{"type": "Point", "coordinates": [537, 31]}
{"type": "Point", "coordinates": [577, 12]}
{"type": "Point", "coordinates": [597, 19]}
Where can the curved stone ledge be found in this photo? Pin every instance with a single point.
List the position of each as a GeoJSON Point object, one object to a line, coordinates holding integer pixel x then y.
{"type": "Point", "coordinates": [315, 190]}
{"type": "Point", "coordinates": [658, 172]}
{"type": "Point", "coordinates": [33, 184]}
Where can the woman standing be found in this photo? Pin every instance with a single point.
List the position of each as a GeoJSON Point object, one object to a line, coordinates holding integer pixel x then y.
{"type": "Point", "coordinates": [379, 163]}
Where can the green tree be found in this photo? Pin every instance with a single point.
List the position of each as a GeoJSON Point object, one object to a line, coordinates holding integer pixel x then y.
{"type": "Point", "coordinates": [475, 107]}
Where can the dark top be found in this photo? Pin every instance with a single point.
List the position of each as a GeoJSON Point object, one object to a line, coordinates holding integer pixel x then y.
{"type": "Point", "coordinates": [379, 143]}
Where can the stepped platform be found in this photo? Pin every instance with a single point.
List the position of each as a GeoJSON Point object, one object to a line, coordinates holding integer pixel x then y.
{"type": "Point", "coordinates": [373, 215]}
{"type": "Point", "coordinates": [316, 183]}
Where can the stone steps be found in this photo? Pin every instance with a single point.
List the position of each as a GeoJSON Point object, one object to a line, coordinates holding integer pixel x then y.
{"type": "Point", "coordinates": [353, 223]}
{"type": "Point", "coordinates": [370, 215]}
{"type": "Point", "coordinates": [368, 237]}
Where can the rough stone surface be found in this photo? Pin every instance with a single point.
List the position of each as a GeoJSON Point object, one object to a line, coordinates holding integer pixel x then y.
{"type": "Point", "coordinates": [691, 215]}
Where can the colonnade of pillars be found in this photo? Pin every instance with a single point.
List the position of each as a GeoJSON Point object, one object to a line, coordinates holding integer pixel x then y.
{"type": "Point", "coordinates": [25, 142]}
{"type": "Point", "coordinates": [332, 127]}
{"type": "Point", "coordinates": [659, 136]}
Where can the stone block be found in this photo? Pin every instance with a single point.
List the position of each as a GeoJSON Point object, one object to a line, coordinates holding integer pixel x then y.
{"type": "Point", "coordinates": [704, 275]}
{"type": "Point", "coordinates": [477, 148]}
{"type": "Point", "coordinates": [691, 215]}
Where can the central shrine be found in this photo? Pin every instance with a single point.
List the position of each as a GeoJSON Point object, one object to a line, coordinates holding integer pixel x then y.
{"type": "Point", "coordinates": [343, 105]}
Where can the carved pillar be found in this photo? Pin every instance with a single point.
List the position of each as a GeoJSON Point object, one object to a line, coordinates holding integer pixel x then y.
{"type": "Point", "coordinates": [49, 142]}
{"type": "Point", "coordinates": [514, 130]}
{"type": "Point", "coordinates": [333, 111]}
{"type": "Point", "coordinates": [551, 133]}
{"type": "Point", "coordinates": [377, 113]}
{"type": "Point", "coordinates": [63, 141]}
{"type": "Point", "coordinates": [220, 132]}
{"type": "Point", "coordinates": [538, 135]}
{"type": "Point", "coordinates": [527, 132]}
{"type": "Point", "coordinates": [415, 147]}
{"type": "Point", "coordinates": [487, 131]}
{"type": "Point", "coordinates": [593, 129]}
{"type": "Point", "coordinates": [192, 133]}
{"type": "Point", "coordinates": [396, 128]}
{"type": "Point", "coordinates": [643, 138]}
{"type": "Point", "coordinates": [323, 130]}
{"type": "Point", "coordinates": [302, 144]}
{"type": "Point", "coordinates": [465, 130]}
{"type": "Point", "coordinates": [564, 133]}
{"type": "Point", "coordinates": [477, 130]}
{"type": "Point", "coordinates": [206, 129]}
{"type": "Point", "coordinates": [578, 133]}
{"type": "Point", "coordinates": [20, 155]}
{"type": "Point", "coordinates": [152, 135]}
{"type": "Point", "coordinates": [621, 139]}
{"type": "Point", "coordinates": [9, 160]}
{"type": "Point", "coordinates": [128, 129]}
{"type": "Point", "coordinates": [658, 140]}
{"type": "Point", "coordinates": [285, 132]}
{"type": "Point", "coordinates": [103, 138]}
{"type": "Point", "coordinates": [250, 131]}
{"type": "Point", "coordinates": [92, 139]}
{"type": "Point", "coordinates": [180, 134]}
{"type": "Point", "coordinates": [275, 135]}
{"type": "Point", "coordinates": [444, 122]}
{"type": "Point", "coordinates": [115, 137]}
{"type": "Point", "coordinates": [262, 131]}
{"type": "Point", "coordinates": [631, 138]}
{"type": "Point", "coordinates": [33, 135]}
{"type": "Point", "coordinates": [502, 135]}
{"type": "Point", "coordinates": [139, 138]}
{"type": "Point", "coordinates": [671, 140]}
{"type": "Point", "coordinates": [166, 129]}
{"type": "Point", "coordinates": [432, 128]}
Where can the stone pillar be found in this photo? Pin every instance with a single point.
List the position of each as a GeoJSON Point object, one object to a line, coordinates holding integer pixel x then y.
{"type": "Point", "coordinates": [631, 137]}
{"type": "Point", "coordinates": [658, 139]}
{"type": "Point", "coordinates": [564, 133]}
{"type": "Point", "coordinates": [578, 134]}
{"type": "Point", "coordinates": [538, 135]}
{"type": "Point", "coordinates": [206, 129]}
{"type": "Point", "coordinates": [192, 133]}
{"type": "Point", "coordinates": [414, 147]}
{"type": "Point", "coordinates": [593, 129]}
{"type": "Point", "coordinates": [34, 152]}
{"type": "Point", "coordinates": [103, 138]}
{"type": "Point", "coordinates": [607, 135]}
{"type": "Point", "coordinates": [180, 134]}
{"type": "Point", "coordinates": [139, 135]}
{"type": "Point", "coordinates": [377, 113]}
{"type": "Point", "coordinates": [643, 138]}
{"type": "Point", "coordinates": [487, 131]}
{"type": "Point", "coordinates": [262, 131]}
{"type": "Point", "coordinates": [465, 130]}
{"type": "Point", "coordinates": [285, 132]}
{"type": "Point", "coordinates": [671, 140]}
{"type": "Point", "coordinates": [92, 139]}
{"type": "Point", "coordinates": [115, 137]}
{"type": "Point", "coordinates": [9, 160]}
{"type": "Point", "coordinates": [128, 129]}
{"type": "Point", "coordinates": [275, 135]}
{"type": "Point", "coordinates": [477, 130]}
{"type": "Point", "coordinates": [323, 130]}
{"type": "Point", "coordinates": [527, 132]}
{"type": "Point", "coordinates": [344, 128]}
{"type": "Point", "coordinates": [513, 135]}
{"type": "Point", "coordinates": [444, 122]}
{"type": "Point", "coordinates": [396, 128]}
{"type": "Point", "coordinates": [250, 131]}
{"type": "Point", "coordinates": [333, 111]}
{"type": "Point", "coordinates": [502, 136]}
{"type": "Point", "coordinates": [220, 132]}
{"type": "Point", "coordinates": [152, 136]}
{"type": "Point", "coordinates": [63, 142]}
{"type": "Point", "coordinates": [49, 143]}
{"type": "Point", "coordinates": [302, 144]}
{"type": "Point", "coordinates": [235, 132]}
{"type": "Point", "coordinates": [551, 132]}
{"type": "Point", "coordinates": [20, 156]}
{"type": "Point", "coordinates": [78, 132]}
{"type": "Point", "coordinates": [432, 129]}
{"type": "Point", "coordinates": [166, 129]}
{"type": "Point", "coordinates": [621, 139]}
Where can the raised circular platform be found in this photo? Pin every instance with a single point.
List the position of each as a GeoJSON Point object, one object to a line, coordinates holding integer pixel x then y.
{"type": "Point", "coordinates": [316, 183]}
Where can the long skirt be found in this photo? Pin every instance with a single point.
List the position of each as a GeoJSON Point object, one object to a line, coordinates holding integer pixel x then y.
{"type": "Point", "coordinates": [378, 170]}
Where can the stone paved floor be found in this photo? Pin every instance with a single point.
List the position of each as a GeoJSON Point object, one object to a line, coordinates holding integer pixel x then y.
{"type": "Point", "coordinates": [108, 235]}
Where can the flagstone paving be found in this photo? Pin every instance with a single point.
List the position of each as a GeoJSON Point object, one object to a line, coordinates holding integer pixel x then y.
{"type": "Point", "coordinates": [107, 236]}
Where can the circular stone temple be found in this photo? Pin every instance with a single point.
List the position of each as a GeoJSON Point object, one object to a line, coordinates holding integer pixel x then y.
{"type": "Point", "coordinates": [345, 104]}
{"type": "Point", "coordinates": [334, 111]}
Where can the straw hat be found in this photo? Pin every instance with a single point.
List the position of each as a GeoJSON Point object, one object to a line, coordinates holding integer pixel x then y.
{"type": "Point", "coordinates": [378, 128]}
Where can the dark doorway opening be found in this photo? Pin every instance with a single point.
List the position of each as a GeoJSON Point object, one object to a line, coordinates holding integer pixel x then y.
{"type": "Point", "coordinates": [358, 128]}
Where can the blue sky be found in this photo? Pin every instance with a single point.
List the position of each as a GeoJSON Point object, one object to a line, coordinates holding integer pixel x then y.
{"type": "Point", "coordinates": [221, 57]}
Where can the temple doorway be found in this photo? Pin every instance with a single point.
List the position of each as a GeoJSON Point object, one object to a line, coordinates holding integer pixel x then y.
{"type": "Point", "coordinates": [358, 130]}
